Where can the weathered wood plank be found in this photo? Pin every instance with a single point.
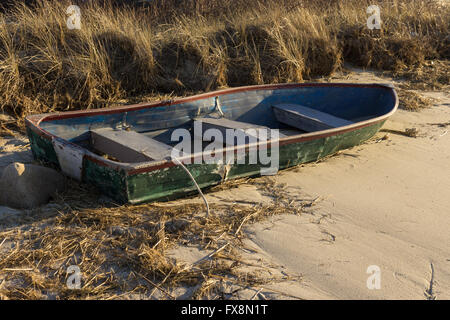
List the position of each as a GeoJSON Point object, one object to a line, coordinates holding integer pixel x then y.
{"type": "Point", "coordinates": [222, 124]}
{"type": "Point", "coordinates": [306, 119]}
{"type": "Point", "coordinates": [129, 146]}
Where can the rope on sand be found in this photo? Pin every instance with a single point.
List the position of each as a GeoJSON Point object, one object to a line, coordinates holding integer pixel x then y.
{"type": "Point", "coordinates": [195, 183]}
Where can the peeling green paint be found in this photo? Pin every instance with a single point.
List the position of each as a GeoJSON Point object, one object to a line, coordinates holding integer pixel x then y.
{"type": "Point", "coordinates": [42, 149]}
{"type": "Point", "coordinates": [110, 181]}
{"type": "Point", "coordinates": [170, 182]}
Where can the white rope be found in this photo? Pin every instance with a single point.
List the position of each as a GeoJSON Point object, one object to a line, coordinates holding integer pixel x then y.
{"type": "Point", "coordinates": [195, 182]}
{"type": "Point", "coordinates": [187, 171]}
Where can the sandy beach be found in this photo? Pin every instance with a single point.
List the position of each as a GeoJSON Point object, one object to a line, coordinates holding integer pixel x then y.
{"type": "Point", "coordinates": [384, 203]}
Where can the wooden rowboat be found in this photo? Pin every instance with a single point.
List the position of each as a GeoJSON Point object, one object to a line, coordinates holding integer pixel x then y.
{"type": "Point", "coordinates": [126, 150]}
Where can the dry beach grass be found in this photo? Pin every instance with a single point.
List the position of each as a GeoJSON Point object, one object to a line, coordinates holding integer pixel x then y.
{"type": "Point", "coordinates": [122, 250]}
{"type": "Point", "coordinates": [128, 54]}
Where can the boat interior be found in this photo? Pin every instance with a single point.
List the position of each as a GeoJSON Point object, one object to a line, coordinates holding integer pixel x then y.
{"type": "Point", "coordinates": [146, 134]}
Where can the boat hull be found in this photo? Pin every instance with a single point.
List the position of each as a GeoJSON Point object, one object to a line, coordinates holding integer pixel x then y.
{"type": "Point", "coordinates": [169, 181]}
{"type": "Point", "coordinates": [55, 138]}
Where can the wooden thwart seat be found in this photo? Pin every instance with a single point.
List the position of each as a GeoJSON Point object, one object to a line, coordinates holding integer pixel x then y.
{"type": "Point", "coordinates": [132, 147]}
{"type": "Point", "coordinates": [222, 124]}
{"type": "Point", "coordinates": [129, 146]}
{"type": "Point", "coordinates": [307, 119]}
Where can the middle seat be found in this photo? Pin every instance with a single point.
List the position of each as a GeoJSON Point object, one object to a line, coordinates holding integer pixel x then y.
{"type": "Point", "coordinates": [248, 132]}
